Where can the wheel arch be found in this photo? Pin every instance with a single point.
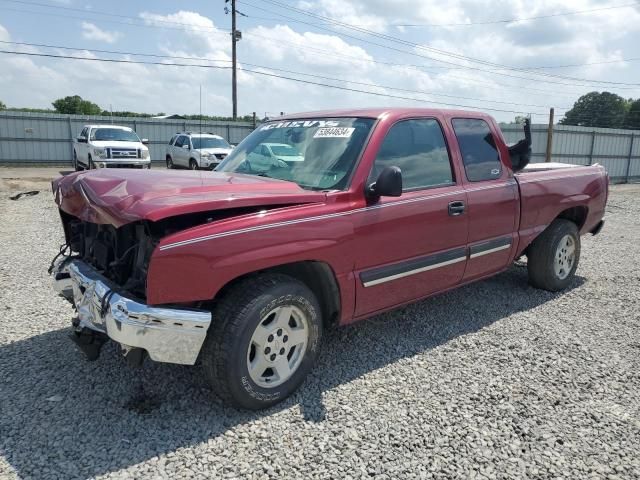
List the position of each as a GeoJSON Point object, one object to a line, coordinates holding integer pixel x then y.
{"type": "Point", "coordinates": [318, 276]}
{"type": "Point", "coordinates": [577, 215]}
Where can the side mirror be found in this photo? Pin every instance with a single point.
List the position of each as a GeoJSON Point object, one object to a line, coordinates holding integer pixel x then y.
{"type": "Point", "coordinates": [82, 140]}
{"type": "Point", "coordinates": [388, 184]}
{"type": "Point", "coordinates": [145, 141]}
{"type": "Point", "coordinates": [186, 146]}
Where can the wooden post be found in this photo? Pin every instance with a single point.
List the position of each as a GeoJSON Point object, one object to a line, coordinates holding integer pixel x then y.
{"type": "Point", "coordinates": [71, 136]}
{"type": "Point", "coordinates": [254, 120]}
{"type": "Point", "coordinates": [626, 177]}
{"type": "Point", "coordinates": [593, 144]}
{"type": "Point", "coordinates": [549, 137]}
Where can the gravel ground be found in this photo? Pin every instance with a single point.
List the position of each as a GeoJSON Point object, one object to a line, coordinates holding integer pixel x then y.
{"type": "Point", "coordinates": [494, 380]}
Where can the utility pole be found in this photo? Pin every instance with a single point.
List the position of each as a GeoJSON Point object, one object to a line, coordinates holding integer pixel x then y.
{"type": "Point", "coordinates": [549, 136]}
{"type": "Point", "coordinates": [235, 36]}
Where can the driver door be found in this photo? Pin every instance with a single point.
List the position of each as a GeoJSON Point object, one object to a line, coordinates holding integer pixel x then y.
{"type": "Point", "coordinates": [414, 245]}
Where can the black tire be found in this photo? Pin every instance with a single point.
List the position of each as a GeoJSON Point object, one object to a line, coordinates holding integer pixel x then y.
{"type": "Point", "coordinates": [169, 162]}
{"type": "Point", "coordinates": [193, 165]}
{"type": "Point", "coordinates": [542, 253]}
{"type": "Point", "coordinates": [227, 349]}
{"type": "Point", "coordinates": [91, 165]}
{"type": "Point", "coordinates": [76, 164]}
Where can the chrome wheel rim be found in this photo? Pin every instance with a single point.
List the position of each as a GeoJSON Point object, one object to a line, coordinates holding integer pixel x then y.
{"type": "Point", "coordinates": [565, 257]}
{"type": "Point", "coordinates": [277, 346]}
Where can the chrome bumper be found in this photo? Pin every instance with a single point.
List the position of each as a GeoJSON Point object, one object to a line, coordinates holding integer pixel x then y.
{"type": "Point", "coordinates": [122, 163]}
{"type": "Point", "coordinates": [167, 334]}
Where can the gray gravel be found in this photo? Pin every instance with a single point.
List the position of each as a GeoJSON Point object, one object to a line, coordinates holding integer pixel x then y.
{"type": "Point", "coordinates": [495, 380]}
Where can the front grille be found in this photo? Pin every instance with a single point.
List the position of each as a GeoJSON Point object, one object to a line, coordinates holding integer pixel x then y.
{"type": "Point", "coordinates": [123, 153]}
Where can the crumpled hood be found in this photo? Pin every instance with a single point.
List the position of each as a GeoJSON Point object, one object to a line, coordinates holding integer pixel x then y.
{"type": "Point", "coordinates": [118, 197]}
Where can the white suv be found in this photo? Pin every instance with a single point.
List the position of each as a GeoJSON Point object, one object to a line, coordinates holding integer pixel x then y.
{"type": "Point", "coordinates": [196, 150]}
{"type": "Point", "coordinates": [109, 146]}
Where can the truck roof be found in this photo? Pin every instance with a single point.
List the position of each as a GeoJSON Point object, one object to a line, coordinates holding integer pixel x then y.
{"type": "Point", "coordinates": [384, 111]}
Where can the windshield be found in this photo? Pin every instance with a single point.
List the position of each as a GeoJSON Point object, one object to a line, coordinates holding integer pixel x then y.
{"type": "Point", "coordinates": [114, 134]}
{"type": "Point", "coordinates": [209, 142]}
{"type": "Point", "coordinates": [323, 152]}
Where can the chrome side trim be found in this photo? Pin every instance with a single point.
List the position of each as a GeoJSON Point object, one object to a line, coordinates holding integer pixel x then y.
{"type": "Point", "coordinates": [414, 272]}
{"type": "Point", "coordinates": [487, 252]}
{"type": "Point", "coordinates": [330, 215]}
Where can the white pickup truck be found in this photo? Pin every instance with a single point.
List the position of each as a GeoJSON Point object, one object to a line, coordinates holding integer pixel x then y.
{"type": "Point", "coordinates": [109, 146]}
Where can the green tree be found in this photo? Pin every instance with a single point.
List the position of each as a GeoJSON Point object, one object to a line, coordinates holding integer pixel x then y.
{"type": "Point", "coordinates": [2, 105]}
{"type": "Point", "coordinates": [597, 109]}
{"type": "Point", "coordinates": [633, 115]}
{"type": "Point", "coordinates": [76, 105]}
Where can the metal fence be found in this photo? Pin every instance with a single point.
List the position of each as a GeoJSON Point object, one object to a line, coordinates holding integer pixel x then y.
{"type": "Point", "coordinates": [42, 138]}
{"type": "Point", "coordinates": [617, 150]}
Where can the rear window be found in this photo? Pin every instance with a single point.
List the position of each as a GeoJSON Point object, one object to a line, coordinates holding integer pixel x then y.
{"type": "Point", "coordinates": [478, 147]}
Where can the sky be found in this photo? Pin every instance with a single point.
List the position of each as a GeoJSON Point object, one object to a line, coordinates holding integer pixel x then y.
{"type": "Point", "coordinates": [409, 52]}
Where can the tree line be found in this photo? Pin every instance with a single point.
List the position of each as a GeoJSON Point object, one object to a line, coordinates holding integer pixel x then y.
{"type": "Point", "coordinates": [76, 105]}
{"type": "Point", "coordinates": [595, 109]}
{"type": "Point", "coordinates": [604, 109]}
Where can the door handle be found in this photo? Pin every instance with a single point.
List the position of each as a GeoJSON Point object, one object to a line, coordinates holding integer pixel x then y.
{"type": "Point", "coordinates": [456, 208]}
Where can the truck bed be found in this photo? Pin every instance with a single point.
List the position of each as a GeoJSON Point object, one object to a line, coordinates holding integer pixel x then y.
{"type": "Point", "coordinates": [548, 190]}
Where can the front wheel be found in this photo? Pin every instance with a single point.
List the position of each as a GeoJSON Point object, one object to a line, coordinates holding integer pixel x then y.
{"type": "Point", "coordinates": [264, 341]}
{"type": "Point", "coordinates": [76, 165]}
{"type": "Point", "coordinates": [169, 162]}
{"type": "Point", "coordinates": [92, 166]}
{"type": "Point", "coordinates": [193, 165]}
{"type": "Point", "coordinates": [552, 258]}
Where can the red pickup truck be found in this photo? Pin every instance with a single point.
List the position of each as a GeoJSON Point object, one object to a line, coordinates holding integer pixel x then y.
{"type": "Point", "coordinates": [349, 213]}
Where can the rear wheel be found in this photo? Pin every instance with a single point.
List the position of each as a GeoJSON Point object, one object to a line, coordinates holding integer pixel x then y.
{"type": "Point", "coordinates": [169, 162]}
{"type": "Point", "coordinates": [264, 341]}
{"type": "Point", "coordinates": [193, 165]}
{"type": "Point", "coordinates": [552, 258]}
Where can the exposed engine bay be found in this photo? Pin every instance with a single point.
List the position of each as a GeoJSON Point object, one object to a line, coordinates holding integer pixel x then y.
{"type": "Point", "coordinates": [120, 254]}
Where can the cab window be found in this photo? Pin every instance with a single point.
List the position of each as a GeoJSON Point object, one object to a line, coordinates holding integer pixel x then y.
{"type": "Point", "coordinates": [478, 148]}
{"type": "Point", "coordinates": [419, 149]}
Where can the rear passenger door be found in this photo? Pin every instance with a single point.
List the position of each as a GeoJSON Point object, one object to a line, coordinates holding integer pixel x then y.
{"type": "Point", "coordinates": [414, 245]}
{"type": "Point", "coordinates": [492, 195]}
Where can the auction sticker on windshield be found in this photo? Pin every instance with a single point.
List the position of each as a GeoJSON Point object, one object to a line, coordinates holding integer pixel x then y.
{"type": "Point", "coordinates": [334, 132]}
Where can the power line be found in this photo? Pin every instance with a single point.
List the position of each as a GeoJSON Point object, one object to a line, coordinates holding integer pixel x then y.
{"type": "Point", "coordinates": [257, 72]}
{"type": "Point", "coordinates": [430, 49]}
{"type": "Point", "coordinates": [358, 59]}
{"type": "Point", "coordinates": [217, 30]}
{"type": "Point", "coordinates": [109, 14]}
{"type": "Point", "coordinates": [332, 54]}
{"type": "Point", "coordinates": [172, 57]}
{"type": "Point", "coordinates": [513, 20]}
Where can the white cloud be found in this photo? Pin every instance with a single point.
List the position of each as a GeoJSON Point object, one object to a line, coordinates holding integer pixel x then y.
{"type": "Point", "coordinates": [91, 31]}
{"type": "Point", "coordinates": [599, 37]}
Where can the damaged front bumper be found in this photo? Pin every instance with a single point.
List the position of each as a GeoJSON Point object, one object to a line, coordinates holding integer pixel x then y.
{"type": "Point", "coordinates": [166, 334]}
